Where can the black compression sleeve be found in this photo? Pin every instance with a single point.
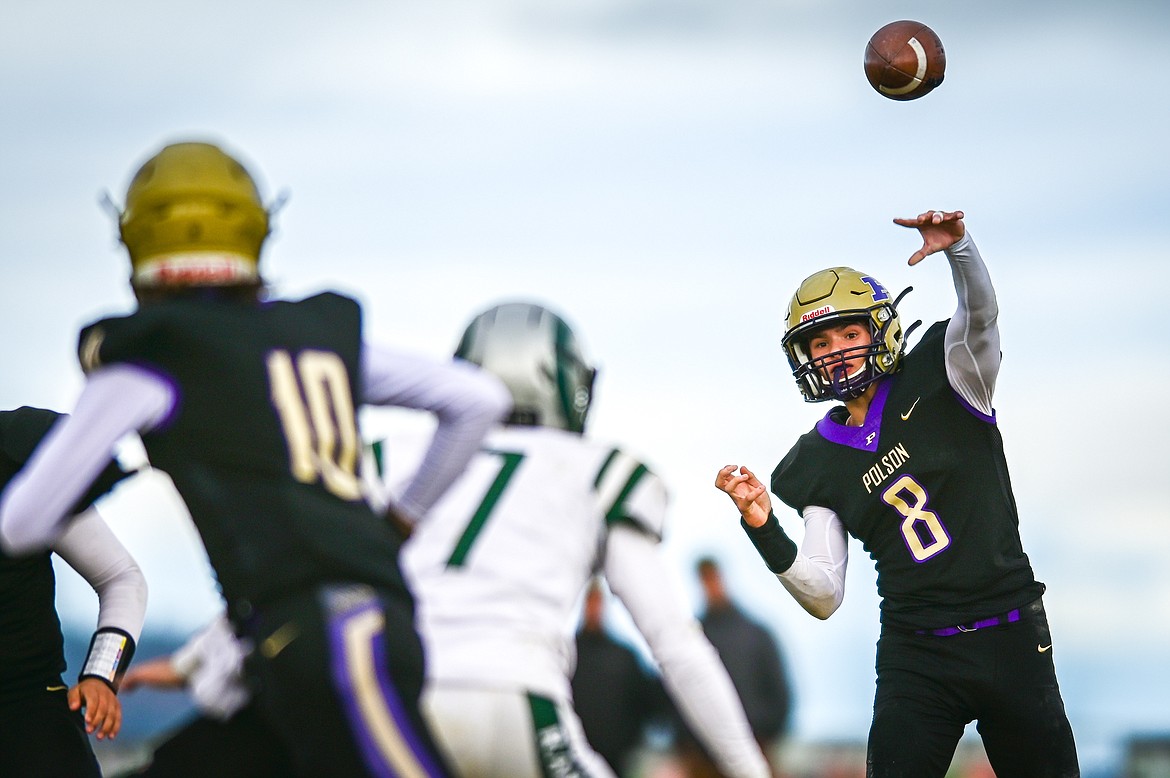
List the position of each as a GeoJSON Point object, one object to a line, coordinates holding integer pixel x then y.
{"type": "Point", "coordinates": [770, 540]}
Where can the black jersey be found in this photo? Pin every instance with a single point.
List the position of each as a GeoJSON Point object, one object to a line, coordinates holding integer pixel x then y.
{"type": "Point", "coordinates": [924, 485]}
{"type": "Point", "coordinates": [262, 444]}
{"type": "Point", "coordinates": [31, 653]}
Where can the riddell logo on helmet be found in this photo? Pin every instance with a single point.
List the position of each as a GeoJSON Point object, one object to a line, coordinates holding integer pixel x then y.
{"type": "Point", "coordinates": [818, 312]}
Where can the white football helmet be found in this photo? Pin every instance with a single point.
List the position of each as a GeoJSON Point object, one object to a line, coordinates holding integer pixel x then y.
{"type": "Point", "coordinates": [534, 352]}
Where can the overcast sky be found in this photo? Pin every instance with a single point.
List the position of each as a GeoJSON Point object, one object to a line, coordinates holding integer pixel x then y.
{"type": "Point", "coordinates": [664, 174]}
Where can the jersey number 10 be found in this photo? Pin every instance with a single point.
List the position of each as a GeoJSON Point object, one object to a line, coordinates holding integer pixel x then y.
{"type": "Point", "coordinates": [315, 403]}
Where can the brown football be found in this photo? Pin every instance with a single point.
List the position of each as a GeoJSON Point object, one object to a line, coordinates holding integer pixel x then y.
{"type": "Point", "coordinates": [904, 60]}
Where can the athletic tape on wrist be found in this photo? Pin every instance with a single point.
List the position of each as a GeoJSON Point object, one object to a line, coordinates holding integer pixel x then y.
{"type": "Point", "coordinates": [110, 652]}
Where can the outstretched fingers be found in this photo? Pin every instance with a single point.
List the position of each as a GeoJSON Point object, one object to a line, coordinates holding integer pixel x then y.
{"type": "Point", "coordinates": [939, 230]}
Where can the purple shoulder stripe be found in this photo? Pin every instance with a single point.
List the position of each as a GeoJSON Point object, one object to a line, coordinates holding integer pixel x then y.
{"type": "Point", "coordinates": [975, 411]}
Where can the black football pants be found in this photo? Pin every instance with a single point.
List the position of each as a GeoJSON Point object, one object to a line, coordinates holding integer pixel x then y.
{"type": "Point", "coordinates": [338, 674]}
{"type": "Point", "coordinates": [929, 688]}
{"type": "Point", "coordinates": [41, 738]}
{"type": "Point", "coordinates": [240, 747]}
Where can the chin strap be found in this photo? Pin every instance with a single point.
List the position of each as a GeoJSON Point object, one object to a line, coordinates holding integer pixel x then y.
{"type": "Point", "coordinates": [110, 652]}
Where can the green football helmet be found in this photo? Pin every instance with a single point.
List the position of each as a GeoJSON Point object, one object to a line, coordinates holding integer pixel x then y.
{"type": "Point", "coordinates": [835, 296]}
{"type": "Point", "coordinates": [534, 352]}
{"type": "Point", "coordinates": [193, 217]}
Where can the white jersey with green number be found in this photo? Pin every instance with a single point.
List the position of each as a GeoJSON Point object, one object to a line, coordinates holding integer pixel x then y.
{"type": "Point", "coordinates": [499, 563]}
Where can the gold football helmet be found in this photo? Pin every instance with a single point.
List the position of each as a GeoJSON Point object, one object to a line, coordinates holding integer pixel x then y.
{"type": "Point", "coordinates": [193, 217]}
{"type": "Point", "coordinates": [835, 296]}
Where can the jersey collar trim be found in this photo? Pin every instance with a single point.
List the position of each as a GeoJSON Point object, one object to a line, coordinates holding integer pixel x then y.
{"type": "Point", "coordinates": [867, 436]}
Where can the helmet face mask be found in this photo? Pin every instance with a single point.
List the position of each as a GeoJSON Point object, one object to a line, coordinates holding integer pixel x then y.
{"type": "Point", "coordinates": [837, 296]}
{"type": "Point", "coordinates": [193, 218]}
{"type": "Point", "coordinates": [537, 356]}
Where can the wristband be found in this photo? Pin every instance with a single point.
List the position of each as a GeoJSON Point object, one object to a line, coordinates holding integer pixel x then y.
{"type": "Point", "coordinates": [110, 652]}
{"type": "Point", "coordinates": [770, 540]}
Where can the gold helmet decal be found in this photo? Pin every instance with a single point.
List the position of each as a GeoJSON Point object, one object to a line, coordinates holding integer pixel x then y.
{"type": "Point", "coordinates": [193, 217]}
{"type": "Point", "coordinates": [834, 296]}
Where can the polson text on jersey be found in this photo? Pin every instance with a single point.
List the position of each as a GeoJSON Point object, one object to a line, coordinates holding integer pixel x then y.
{"type": "Point", "coordinates": [885, 467]}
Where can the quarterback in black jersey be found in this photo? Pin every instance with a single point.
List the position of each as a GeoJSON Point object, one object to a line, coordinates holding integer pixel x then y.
{"type": "Point", "coordinates": [250, 405]}
{"type": "Point", "coordinates": [912, 465]}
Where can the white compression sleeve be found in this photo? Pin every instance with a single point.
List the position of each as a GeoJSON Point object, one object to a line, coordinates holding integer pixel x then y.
{"type": "Point", "coordinates": [93, 550]}
{"type": "Point", "coordinates": [971, 343]}
{"type": "Point", "coordinates": [816, 579]}
{"type": "Point", "coordinates": [466, 400]}
{"type": "Point", "coordinates": [116, 400]}
{"type": "Point", "coordinates": [691, 669]}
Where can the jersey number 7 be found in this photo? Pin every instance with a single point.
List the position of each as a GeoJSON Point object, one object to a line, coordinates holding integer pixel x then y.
{"type": "Point", "coordinates": [511, 461]}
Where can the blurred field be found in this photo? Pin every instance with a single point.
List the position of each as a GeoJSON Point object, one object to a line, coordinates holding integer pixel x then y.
{"type": "Point", "coordinates": [1142, 757]}
{"type": "Point", "coordinates": [798, 760]}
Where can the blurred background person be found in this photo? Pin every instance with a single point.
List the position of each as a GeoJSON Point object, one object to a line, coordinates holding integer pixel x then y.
{"type": "Point", "coordinates": [614, 694]}
{"type": "Point", "coordinates": [756, 665]}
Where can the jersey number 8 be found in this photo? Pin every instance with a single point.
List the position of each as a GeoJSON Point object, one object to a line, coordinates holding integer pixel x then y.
{"type": "Point", "coordinates": [922, 530]}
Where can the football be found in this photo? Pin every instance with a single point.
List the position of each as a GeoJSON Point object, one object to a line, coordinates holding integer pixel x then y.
{"type": "Point", "coordinates": [904, 60]}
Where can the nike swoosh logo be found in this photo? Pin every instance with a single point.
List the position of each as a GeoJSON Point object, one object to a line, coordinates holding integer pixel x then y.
{"type": "Point", "coordinates": [56, 688]}
{"type": "Point", "coordinates": [279, 640]}
{"type": "Point", "coordinates": [1042, 649]}
{"type": "Point", "coordinates": [906, 415]}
